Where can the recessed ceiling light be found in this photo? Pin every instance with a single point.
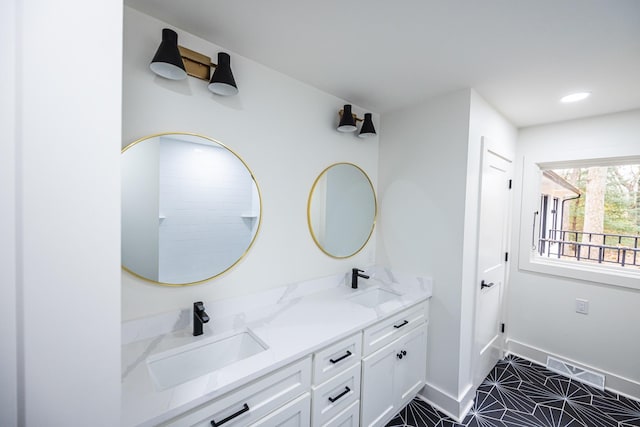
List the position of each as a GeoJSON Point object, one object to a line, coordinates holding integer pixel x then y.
{"type": "Point", "coordinates": [574, 97]}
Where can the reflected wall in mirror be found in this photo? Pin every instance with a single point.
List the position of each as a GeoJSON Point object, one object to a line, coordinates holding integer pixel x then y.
{"type": "Point", "coordinates": [342, 210]}
{"type": "Point", "coordinates": [190, 208]}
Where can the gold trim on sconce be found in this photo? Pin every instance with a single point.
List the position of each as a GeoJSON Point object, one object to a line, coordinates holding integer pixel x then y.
{"type": "Point", "coordinates": [196, 64]}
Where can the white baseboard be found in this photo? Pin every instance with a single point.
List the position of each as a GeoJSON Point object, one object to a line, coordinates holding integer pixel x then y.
{"type": "Point", "coordinates": [615, 383]}
{"type": "Point", "coordinates": [456, 408]}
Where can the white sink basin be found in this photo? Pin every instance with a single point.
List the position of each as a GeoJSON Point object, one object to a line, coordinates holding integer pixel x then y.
{"type": "Point", "coordinates": [182, 364]}
{"type": "Point", "coordinates": [375, 297]}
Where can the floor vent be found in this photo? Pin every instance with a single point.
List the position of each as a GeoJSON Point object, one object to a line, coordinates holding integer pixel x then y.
{"type": "Point", "coordinates": [579, 374]}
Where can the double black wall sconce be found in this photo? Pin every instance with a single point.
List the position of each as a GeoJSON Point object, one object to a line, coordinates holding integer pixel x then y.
{"type": "Point", "coordinates": [348, 122]}
{"type": "Point", "coordinates": [177, 62]}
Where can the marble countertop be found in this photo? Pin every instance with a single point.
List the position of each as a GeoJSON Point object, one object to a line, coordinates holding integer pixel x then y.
{"type": "Point", "coordinates": [293, 321]}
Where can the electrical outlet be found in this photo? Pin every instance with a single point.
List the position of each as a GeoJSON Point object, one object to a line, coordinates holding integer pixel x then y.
{"type": "Point", "coordinates": [582, 306]}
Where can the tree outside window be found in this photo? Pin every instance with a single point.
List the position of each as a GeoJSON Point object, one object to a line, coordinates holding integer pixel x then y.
{"type": "Point", "coordinates": [591, 214]}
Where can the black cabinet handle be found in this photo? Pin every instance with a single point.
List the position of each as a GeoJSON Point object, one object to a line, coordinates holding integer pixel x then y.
{"type": "Point", "coordinates": [404, 353]}
{"type": "Point", "coordinates": [340, 358]}
{"type": "Point", "coordinates": [486, 285]}
{"type": "Point", "coordinates": [399, 355]}
{"type": "Point", "coordinates": [333, 399]}
{"type": "Point", "coordinates": [244, 409]}
{"type": "Point", "coordinates": [401, 324]}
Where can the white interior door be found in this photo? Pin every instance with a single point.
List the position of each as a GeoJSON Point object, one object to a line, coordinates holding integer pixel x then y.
{"type": "Point", "coordinates": [493, 229]}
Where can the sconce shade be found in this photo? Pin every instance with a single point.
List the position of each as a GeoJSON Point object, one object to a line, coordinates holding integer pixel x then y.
{"type": "Point", "coordinates": [167, 61]}
{"type": "Point", "coordinates": [222, 81]}
{"type": "Point", "coordinates": [347, 122]}
{"type": "Point", "coordinates": [367, 128]}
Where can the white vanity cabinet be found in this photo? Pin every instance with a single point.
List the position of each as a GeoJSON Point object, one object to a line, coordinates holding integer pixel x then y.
{"type": "Point", "coordinates": [362, 374]}
{"type": "Point", "coordinates": [282, 397]}
{"type": "Point", "coordinates": [393, 374]}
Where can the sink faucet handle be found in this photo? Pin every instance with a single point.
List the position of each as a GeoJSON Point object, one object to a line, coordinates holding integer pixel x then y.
{"type": "Point", "coordinates": [357, 271]}
{"type": "Point", "coordinates": [198, 310]}
{"type": "Point", "coordinates": [200, 317]}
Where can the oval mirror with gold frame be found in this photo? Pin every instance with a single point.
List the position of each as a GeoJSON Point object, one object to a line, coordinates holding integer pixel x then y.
{"type": "Point", "coordinates": [191, 208]}
{"type": "Point", "coordinates": [341, 211]}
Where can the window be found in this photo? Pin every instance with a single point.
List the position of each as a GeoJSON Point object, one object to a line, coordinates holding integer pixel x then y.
{"type": "Point", "coordinates": [591, 214]}
{"type": "Point", "coordinates": [581, 219]}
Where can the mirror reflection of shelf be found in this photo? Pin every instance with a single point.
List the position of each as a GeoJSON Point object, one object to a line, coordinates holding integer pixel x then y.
{"type": "Point", "coordinates": [204, 189]}
{"type": "Point", "coordinates": [250, 220]}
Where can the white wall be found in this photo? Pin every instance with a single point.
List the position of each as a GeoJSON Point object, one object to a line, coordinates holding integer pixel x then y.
{"type": "Point", "coordinates": [542, 318]}
{"type": "Point", "coordinates": [8, 277]}
{"type": "Point", "coordinates": [423, 163]}
{"type": "Point", "coordinates": [429, 174]}
{"type": "Point", "coordinates": [66, 244]}
{"type": "Point", "coordinates": [283, 129]}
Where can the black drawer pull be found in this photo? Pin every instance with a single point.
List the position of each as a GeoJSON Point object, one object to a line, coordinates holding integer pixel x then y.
{"type": "Point", "coordinates": [244, 409]}
{"type": "Point", "coordinates": [340, 358]}
{"type": "Point", "coordinates": [401, 324]}
{"type": "Point", "coordinates": [333, 399]}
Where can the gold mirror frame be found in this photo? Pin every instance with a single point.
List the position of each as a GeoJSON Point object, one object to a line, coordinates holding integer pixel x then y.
{"type": "Point", "coordinates": [375, 210]}
{"type": "Point", "coordinates": [253, 239]}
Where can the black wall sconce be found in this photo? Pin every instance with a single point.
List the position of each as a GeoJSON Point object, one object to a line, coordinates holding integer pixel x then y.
{"type": "Point", "coordinates": [177, 62]}
{"type": "Point", "coordinates": [348, 122]}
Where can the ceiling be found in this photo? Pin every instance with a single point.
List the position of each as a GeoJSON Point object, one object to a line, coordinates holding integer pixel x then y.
{"type": "Point", "coordinates": [520, 55]}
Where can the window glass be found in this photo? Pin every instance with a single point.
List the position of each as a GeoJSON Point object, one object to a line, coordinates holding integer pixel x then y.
{"type": "Point", "coordinates": [590, 214]}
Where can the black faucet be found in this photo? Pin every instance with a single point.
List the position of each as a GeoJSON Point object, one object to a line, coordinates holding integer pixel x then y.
{"type": "Point", "coordinates": [355, 273]}
{"type": "Point", "coordinates": [199, 318]}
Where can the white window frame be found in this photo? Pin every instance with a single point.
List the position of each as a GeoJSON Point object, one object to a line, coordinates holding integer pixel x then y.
{"type": "Point", "coordinates": [530, 203]}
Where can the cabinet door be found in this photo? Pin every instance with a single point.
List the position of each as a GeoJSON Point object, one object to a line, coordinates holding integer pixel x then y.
{"type": "Point", "coordinates": [378, 398]}
{"type": "Point", "coordinates": [411, 368]}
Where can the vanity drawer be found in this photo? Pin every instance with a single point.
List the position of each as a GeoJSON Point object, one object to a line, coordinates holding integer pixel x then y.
{"type": "Point", "coordinates": [293, 414]}
{"type": "Point", "coordinates": [335, 395]}
{"type": "Point", "coordinates": [382, 333]}
{"type": "Point", "coordinates": [251, 402]}
{"type": "Point", "coordinates": [336, 358]}
{"type": "Point", "coordinates": [350, 417]}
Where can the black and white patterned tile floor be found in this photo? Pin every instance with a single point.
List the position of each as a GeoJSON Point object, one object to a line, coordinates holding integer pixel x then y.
{"type": "Point", "coordinates": [519, 393]}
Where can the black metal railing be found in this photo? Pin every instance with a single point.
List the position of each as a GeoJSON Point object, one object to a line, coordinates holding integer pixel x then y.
{"type": "Point", "coordinates": [618, 249]}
